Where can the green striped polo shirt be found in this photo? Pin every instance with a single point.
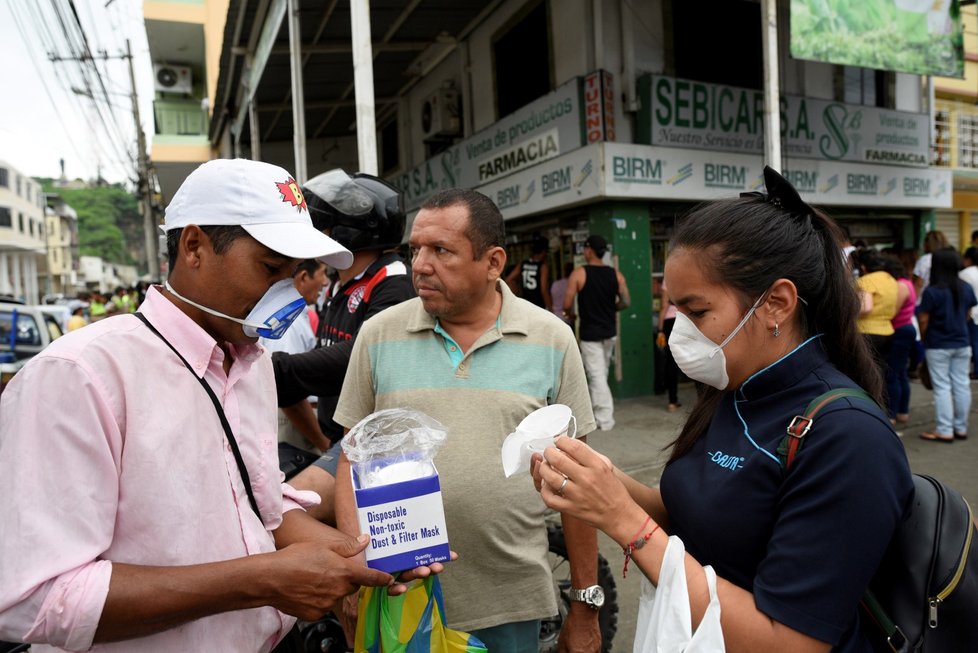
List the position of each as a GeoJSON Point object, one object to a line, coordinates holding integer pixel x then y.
{"type": "Point", "coordinates": [528, 359]}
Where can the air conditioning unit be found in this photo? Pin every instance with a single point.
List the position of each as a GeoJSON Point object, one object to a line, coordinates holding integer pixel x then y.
{"type": "Point", "coordinates": [440, 115]}
{"type": "Point", "coordinates": [173, 79]}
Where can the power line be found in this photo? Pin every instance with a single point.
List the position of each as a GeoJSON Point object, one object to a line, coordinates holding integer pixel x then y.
{"type": "Point", "coordinates": [56, 29]}
{"type": "Point", "coordinates": [94, 67]}
{"type": "Point", "coordinates": [41, 27]}
{"type": "Point", "coordinates": [80, 52]}
{"type": "Point", "coordinates": [18, 22]}
{"type": "Point", "coordinates": [86, 64]}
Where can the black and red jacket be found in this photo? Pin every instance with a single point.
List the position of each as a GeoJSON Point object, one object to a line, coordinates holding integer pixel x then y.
{"type": "Point", "coordinates": [320, 372]}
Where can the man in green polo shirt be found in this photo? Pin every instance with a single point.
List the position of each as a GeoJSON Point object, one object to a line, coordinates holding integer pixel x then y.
{"type": "Point", "coordinates": [478, 359]}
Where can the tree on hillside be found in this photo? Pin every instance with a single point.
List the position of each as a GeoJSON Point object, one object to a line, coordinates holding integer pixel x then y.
{"type": "Point", "coordinates": [109, 224]}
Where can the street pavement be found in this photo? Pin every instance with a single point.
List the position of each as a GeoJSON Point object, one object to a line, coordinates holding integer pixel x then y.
{"type": "Point", "coordinates": [643, 428]}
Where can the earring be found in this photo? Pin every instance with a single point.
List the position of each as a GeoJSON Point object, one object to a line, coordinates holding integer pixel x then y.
{"type": "Point", "coordinates": [777, 330]}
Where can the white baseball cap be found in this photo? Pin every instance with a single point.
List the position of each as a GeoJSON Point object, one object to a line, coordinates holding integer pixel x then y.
{"type": "Point", "coordinates": [263, 199]}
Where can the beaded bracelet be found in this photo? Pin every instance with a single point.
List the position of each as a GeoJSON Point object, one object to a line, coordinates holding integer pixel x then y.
{"type": "Point", "coordinates": [637, 544]}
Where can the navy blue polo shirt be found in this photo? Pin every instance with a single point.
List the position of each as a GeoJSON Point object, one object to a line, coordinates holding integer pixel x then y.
{"type": "Point", "coordinates": [947, 324]}
{"type": "Point", "coordinates": [805, 542]}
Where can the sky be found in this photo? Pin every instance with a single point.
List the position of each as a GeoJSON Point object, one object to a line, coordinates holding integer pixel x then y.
{"type": "Point", "coordinates": [41, 119]}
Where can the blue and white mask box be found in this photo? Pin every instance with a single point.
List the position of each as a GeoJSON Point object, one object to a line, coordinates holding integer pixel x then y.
{"type": "Point", "coordinates": [405, 519]}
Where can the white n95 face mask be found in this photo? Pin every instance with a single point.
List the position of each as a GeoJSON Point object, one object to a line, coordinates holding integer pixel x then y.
{"type": "Point", "coordinates": [697, 356]}
{"type": "Point", "coordinates": [272, 315]}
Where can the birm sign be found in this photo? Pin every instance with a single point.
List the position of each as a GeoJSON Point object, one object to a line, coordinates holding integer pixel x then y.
{"type": "Point", "coordinates": [629, 171]}
{"type": "Point", "coordinates": [690, 174]}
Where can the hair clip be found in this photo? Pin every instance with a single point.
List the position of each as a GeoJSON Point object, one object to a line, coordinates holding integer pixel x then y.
{"type": "Point", "coordinates": [781, 194]}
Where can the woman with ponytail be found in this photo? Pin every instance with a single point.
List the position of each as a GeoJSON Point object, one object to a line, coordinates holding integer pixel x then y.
{"type": "Point", "coordinates": [767, 322]}
{"type": "Point", "coordinates": [943, 315]}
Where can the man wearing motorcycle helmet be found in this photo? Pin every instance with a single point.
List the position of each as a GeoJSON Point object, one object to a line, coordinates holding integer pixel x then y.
{"type": "Point", "coordinates": [364, 214]}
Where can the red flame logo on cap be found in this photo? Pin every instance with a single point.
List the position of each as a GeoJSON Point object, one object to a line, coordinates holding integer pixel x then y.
{"type": "Point", "coordinates": [292, 194]}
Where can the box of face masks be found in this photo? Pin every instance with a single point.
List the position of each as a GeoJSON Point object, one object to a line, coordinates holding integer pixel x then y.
{"type": "Point", "coordinates": [405, 521]}
{"type": "Point", "coordinates": [396, 488]}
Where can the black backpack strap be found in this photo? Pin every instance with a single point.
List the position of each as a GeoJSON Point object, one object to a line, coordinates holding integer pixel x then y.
{"type": "Point", "coordinates": [242, 469]}
{"type": "Point", "coordinates": [788, 449]}
{"type": "Point", "coordinates": [802, 424]}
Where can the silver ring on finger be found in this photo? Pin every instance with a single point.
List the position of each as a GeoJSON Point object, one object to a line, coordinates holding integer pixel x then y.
{"type": "Point", "coordinates": [560, 490]}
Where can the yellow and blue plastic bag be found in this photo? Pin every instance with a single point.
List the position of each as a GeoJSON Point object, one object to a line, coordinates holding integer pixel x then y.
{"type": "Point", "coordinates": [413, 622]}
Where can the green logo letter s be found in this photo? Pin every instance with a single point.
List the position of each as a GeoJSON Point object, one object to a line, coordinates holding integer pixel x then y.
{"type": "Point", "coordinates": [834, 117]}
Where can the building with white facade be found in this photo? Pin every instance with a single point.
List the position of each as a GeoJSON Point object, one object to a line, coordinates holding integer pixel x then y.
{"type": "Point", "coordinates": [60, 275]}
{"type": "Point", "coordinates": [23, 248]}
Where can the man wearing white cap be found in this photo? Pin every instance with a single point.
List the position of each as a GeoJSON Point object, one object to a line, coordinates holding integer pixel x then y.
{"type": "Point", "coordinates": [151, 510]}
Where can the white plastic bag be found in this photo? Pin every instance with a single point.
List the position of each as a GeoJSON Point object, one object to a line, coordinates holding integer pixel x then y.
{"type": "Point", "coordinates": [664, 623]}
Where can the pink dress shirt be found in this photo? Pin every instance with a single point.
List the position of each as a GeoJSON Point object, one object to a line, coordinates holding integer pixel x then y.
{"type": "Point", "coordinates": [111, 452]}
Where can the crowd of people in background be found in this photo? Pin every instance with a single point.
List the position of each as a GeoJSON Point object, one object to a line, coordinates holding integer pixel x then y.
{"type": "Point", "coordinates": [89, 306]}
{"type": "Point", "coordinates": [895, 287]}
{"type": "Point", "coordinates": [921, 323]}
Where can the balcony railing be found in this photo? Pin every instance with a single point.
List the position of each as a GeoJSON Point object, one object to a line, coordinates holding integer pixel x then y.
{"type": "Point", "coordinates": [955, 135]}
{"type": "Point", "coordinates": [180, 117]}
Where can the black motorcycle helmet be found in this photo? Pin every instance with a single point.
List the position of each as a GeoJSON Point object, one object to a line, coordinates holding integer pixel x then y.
{"type": "Point", "coordinates": [361, 211]}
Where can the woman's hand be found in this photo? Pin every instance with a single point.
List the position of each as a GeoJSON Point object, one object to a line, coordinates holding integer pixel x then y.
{"type": "Point", "coordinates": [578, 481]}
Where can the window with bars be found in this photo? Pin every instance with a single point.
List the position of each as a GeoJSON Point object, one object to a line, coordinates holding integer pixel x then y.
{"type": "Point", "coordinates": [967, 141]}
{"type": "Point", "coordinates": [6, 219]}
{"type": "Point", "coordinates": [864, 86]}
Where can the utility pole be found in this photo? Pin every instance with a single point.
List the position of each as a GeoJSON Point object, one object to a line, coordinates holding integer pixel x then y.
{"type": "Point", "coordinates": [145, 200]}
{"type": "Point", "coordinates": [144, 192]}
{"type": "Point", "coordinates": [363, 85]}
{"type": "Point", "coordinates": [298, 96]}
{"type": "Point", "coordinates": [772, 90]}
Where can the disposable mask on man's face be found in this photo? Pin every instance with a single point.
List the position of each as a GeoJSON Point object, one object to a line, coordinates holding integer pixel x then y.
{"type": "Point", "coordinates": [272, 315]}
{"type": "Point", "coordinates": [697, 356]}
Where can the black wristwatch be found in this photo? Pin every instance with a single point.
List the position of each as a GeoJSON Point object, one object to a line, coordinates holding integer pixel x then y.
{"type": "Point", "coordinates": [592, 597]}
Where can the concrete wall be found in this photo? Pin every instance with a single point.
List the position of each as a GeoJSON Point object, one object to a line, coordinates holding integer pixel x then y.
{"type": "Point", "coordinates": [626, 38]}
{"type": "Point", "coordinates": [573, 54]}
{"type": "Point", "coordinates": [321, 155]}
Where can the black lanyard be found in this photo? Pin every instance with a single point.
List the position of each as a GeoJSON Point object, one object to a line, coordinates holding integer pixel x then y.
{"type": "Point", "coordinates": [220, 413]}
